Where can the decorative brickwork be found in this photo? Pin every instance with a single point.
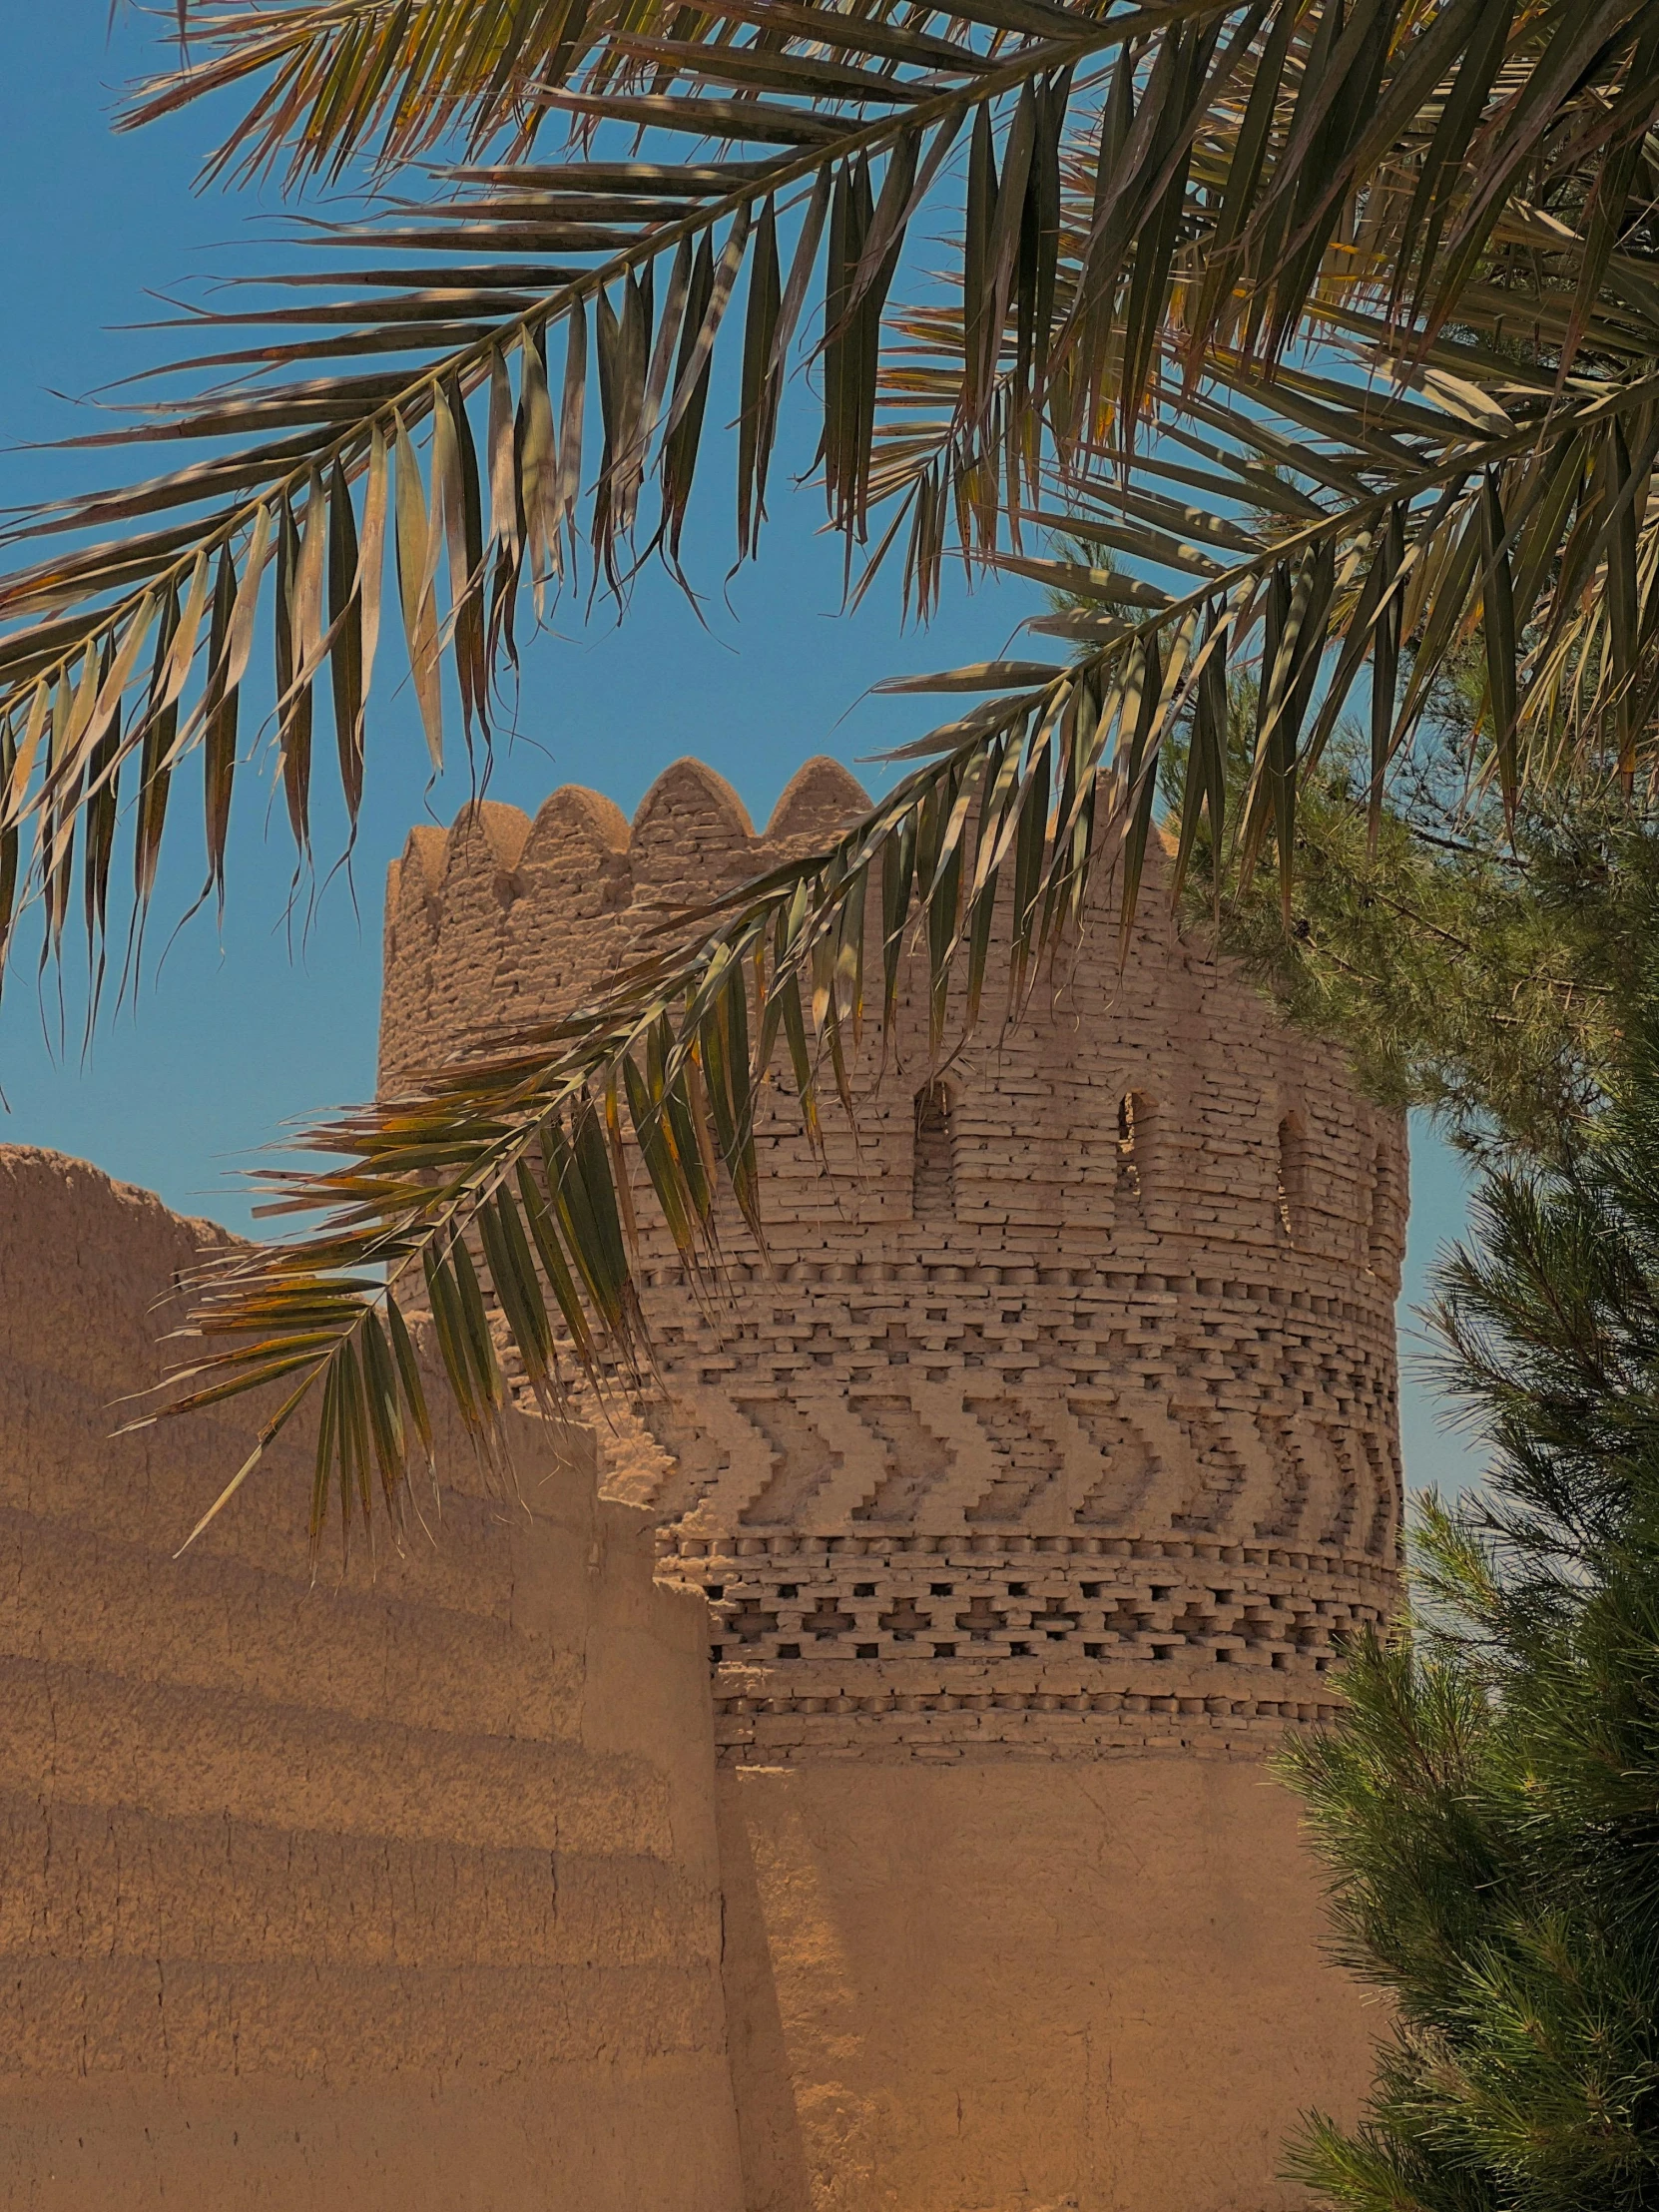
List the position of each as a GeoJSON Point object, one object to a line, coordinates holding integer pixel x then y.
{"type": "Point", "coordinates": [1048, 1645]}
{"type": "Point", "coordinates": [1071, 1381]}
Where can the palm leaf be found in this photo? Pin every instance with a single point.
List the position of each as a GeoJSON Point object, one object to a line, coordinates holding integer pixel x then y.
{"type": "Point", "coordinates": [1374, 281]}
{"type": "Point", "coordinates": [325, 444]}
{"type": "Point", "coordinates": [1116, 165]}
{"type": "Point", "coordinates": [1018, 805]}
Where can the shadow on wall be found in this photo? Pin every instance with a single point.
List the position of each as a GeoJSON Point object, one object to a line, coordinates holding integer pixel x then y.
{"type": "Point", "coordinates": [395, 1894]}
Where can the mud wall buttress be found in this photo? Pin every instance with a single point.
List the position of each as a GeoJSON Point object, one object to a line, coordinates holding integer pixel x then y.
{"type": "Point", "coordinates": [1088, 1985]}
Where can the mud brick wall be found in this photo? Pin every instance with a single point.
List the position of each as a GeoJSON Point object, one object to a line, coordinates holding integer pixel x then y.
{"type": "Point", "coordinates": [396, 1891]}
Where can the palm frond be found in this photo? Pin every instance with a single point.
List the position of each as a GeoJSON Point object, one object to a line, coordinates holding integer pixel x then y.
{"type": "Point", "coordinates": [1013, 811]}
{"type": "Point", "coordinates": [1150, 194]}
{"type": "Point", "coordinates": [338, 81]}
{"type": "Point", "coordinates": [356, 421]}
{"type": "Point", "coordinates": [1327, 331]}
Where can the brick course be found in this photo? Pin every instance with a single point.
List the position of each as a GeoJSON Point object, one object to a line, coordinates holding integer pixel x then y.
{"type": "Point", "coordinates": [1068, 1377]}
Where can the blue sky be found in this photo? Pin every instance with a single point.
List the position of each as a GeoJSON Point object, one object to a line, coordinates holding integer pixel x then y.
{"type": "Point", "coordinates": [250, 1025]}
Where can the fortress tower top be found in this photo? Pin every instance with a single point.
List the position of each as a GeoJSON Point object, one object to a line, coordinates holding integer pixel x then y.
{"type": "Point", "coordinates": [1065, 1417]}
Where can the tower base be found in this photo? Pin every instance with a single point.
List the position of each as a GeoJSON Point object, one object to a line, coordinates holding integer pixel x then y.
{"type": "Point", "coordinates": [1016, 1987]}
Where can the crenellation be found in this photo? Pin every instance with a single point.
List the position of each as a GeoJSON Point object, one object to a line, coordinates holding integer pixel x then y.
{"type": "Point", "coordinates": [691, 837]}
{"type": "Point", "coordinates": [820, 798]}
{"type": "Point", "coordinates": [574, 886]}
{"type": "Point", "coordinates": [471, 899]}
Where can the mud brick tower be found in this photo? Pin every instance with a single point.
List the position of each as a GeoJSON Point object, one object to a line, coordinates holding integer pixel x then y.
{"type": "Point", "coordinates": [1031, 1487]}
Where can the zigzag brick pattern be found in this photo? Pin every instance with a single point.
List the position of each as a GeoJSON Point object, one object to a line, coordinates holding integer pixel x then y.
{"type": "Point", "coordinates": [1060, 1419]}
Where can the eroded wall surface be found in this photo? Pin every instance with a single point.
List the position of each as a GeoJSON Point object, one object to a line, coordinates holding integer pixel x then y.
{"type": "Point", "coordinates": [396, 1891]}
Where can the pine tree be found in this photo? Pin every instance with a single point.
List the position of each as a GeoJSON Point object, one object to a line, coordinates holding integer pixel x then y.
{"type": "Point", "coordinates": [1478, 964]}
{"type": "Point", "coordinates": [1489, 1804]}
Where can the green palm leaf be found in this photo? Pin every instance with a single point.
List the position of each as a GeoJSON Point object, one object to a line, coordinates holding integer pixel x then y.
{"type": "Point", "coordinates": [1336, 322]}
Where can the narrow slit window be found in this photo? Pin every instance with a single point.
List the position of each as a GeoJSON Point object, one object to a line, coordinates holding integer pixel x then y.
{"type": "Point", "coordinates": [1292, 1190]}
{"type": "Point", "coordinates": [1383, 1214]}
{"type": "Point", "coordinates": [933, 1190]}
{"type": "Point", "coordinates": [1135, 1144]}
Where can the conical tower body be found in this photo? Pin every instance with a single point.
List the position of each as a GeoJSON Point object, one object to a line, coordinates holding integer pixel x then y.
{"type": "Point", "coordinates": [1050, 1450]}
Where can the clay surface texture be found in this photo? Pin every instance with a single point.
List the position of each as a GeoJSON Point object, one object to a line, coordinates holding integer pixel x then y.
{"type": "Point", "coordinates": [392, 1892]}
{"type": "Point", "coordinates": [837, 1780]}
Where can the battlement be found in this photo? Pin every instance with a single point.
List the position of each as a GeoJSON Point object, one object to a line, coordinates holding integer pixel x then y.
{"type": "Point", "coordinates": [1064, 1394]}
{"type": "Point", "coordinates": [500, 918]}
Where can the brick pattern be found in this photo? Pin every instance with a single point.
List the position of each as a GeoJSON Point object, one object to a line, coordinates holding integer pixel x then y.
{"type": "Point", "coordinates": [1067, 1380]}
{"type": "Point", "coordinates": [816, 1601]}
{"type": "Point", "coordinates": [1091, 1641]}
